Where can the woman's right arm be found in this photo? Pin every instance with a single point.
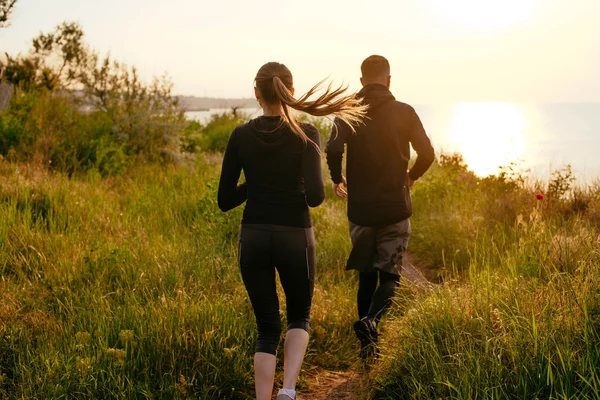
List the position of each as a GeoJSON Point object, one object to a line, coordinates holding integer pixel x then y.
{"type": "Point", "coordinates": [230, 194]}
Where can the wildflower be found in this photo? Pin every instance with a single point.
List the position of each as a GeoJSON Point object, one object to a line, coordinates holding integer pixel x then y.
{"type": "Point", "coordinates": [117, 356]}
{"type": "Point", "coordinates": [126, 336]}
{"type": "Point", "coordinates": [539, 196]}
{"type": "Point", "coordinates": [83, 364]}
{"type": "Point", "coordinates": [182, 386]}
{"type": "Point", "coordinates": [521, 222]}
{"type": "Point", "coordinates": [82, 338]}
{"type": "Point", "coordinates": [230, 350]}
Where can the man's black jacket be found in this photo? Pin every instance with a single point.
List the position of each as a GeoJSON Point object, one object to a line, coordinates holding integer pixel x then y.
{"type": "Point", "coordinates": [378, 156]}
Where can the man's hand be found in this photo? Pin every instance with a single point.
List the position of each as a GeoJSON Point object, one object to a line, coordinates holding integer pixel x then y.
{"type": "Point", "coordinates": [338, 188]}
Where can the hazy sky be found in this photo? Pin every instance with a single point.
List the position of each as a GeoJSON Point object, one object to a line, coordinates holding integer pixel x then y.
{"type": "Point", "coordinates": [440, 50]}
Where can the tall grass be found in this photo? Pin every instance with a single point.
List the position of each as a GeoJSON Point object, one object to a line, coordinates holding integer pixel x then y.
{"type": "Point", "coordinates": [128, 287]}
{"type": "Point", "coordinates": [518, 314]}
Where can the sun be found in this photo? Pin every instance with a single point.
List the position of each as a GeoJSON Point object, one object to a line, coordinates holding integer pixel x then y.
{"type": "Point", "coordinates": [485, 15]}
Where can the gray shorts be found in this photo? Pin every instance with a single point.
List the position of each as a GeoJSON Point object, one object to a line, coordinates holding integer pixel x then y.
{"type": "Point", "coordinates": [378, 247]}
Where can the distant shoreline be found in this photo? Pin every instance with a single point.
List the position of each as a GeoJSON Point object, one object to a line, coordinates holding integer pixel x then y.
{"type": "Point", "coordinates": [192, 109]}
{"type": "Point", "coordinates": [193, 103]}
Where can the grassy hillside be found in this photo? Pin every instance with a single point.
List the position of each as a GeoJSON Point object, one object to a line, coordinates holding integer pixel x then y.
{"type": "Point", "coordinates": [518, 313]}
{"type": "Point", "coordinates": [127, 287]}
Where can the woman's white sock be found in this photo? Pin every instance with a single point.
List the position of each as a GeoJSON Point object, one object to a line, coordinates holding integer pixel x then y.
{"type": "Point", "coordinates": [289, 392]}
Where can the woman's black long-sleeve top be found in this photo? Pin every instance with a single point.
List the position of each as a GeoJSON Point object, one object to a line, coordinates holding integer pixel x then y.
{"type": "Point", "coordinates": [283, 174]}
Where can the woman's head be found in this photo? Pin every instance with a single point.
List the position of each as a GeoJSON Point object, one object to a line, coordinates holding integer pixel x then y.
{"type": "Point", "coordinates": [275, 88]}
{"type": "Point", "coordinates": [265, 82]}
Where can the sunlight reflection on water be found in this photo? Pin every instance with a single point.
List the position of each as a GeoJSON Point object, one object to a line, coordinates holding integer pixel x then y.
{"type": "Point", "coordinates": [535, 137]}
{"type": "Point", "coordinates": [488, 135]}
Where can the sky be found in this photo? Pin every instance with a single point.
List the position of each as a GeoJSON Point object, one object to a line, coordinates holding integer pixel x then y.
{"type": "Point", "coordinates": [439, 50]}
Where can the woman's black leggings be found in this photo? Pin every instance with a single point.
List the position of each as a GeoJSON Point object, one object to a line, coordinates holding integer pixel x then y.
{"type": "Point", "coordinates": [262, 250]}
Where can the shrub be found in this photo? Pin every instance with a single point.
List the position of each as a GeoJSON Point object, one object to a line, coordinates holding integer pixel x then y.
{"type": "Point", "coordinates": [73, 111]}
{"type": "Point", "coordinates": [215, 134]}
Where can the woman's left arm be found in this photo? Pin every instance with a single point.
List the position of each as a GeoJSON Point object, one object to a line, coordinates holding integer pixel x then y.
{"type": "Point", "coordinates": [311, 170]}
{"type": "Point", "coordinates": [231, 194]}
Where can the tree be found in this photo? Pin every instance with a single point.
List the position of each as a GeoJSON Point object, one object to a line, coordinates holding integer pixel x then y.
{"type": "Point", "coordinates": [62, 53]}
{"type": "Point", "coordinates": [147, 118]}
{"type": "Point", "coordinates": [6, 7]}
{"type": "Point", "coordinates": [54, 62]}
{"type": "Point", "coordinates": [60, 72]}
{"type": "Point", "coordinates": [22, 72]}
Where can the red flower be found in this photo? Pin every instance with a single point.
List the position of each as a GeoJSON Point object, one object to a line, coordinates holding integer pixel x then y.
{"type": "Point", "coordinates": [539, 196]}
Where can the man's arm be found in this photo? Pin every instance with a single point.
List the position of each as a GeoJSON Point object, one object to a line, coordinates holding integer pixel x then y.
{"type": "Point", "coordinates": [335, 155]}
{"type": "Point", "coordinates": [422, 145]}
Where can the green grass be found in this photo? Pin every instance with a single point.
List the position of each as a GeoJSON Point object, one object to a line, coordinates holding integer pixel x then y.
{"type": "Point", "coordinates": [127, 287]}
{"type": "Point", "coordinates": [518, 313]}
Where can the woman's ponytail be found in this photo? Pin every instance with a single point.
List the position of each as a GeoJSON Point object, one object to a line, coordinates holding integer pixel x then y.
{"type": "Point", "coordinates": [274, 81]}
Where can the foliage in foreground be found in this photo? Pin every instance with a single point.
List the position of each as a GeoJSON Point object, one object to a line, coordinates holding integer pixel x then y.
{"type": "Point", "coordinates": [127, 287]}
{"type": "Point", "coordinates": [518, 313]}
{"type": "Point", "coordinates": [119, 278]}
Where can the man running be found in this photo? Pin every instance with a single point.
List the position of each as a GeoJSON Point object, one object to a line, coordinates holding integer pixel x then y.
{"type": "Point", "coordinates": [379, 203]}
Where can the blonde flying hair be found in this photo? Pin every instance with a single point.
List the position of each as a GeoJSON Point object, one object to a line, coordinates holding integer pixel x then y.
{"type": "Point", "coordinates": [274, 82]}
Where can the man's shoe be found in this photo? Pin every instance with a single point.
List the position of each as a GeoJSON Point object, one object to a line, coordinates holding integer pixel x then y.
{"type": "Point", "coordinates": [367, 335]}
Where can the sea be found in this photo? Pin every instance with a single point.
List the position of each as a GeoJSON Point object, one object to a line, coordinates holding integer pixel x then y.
{"type": "Point", "coordinates": [533, 138]}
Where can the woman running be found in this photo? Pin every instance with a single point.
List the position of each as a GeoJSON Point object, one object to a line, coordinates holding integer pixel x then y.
{"type": "Point", "coordinates": [281, 161]}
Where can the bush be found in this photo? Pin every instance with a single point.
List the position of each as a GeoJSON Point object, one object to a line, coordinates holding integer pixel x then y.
{"type": "Point", "coordinates": [522, 324]}
{"type": "Point", "coordinates": [50, 129]}
{"type": "Point", "coordinates": [213, 136]}
{"type": "Point", "coordinates": [517, 314]}
{"type": "Point", "coordinates": [111, 121]}
{"type": "Point", "coordinates": [323, 125]}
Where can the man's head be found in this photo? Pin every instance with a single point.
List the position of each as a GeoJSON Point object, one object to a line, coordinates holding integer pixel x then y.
{"type": "Point", "coordinates": [375, 69]}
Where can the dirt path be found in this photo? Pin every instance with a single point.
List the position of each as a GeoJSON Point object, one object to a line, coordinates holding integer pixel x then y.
{"type": "Point", "coordinates": [335, 385]}
{"type": "Point", "coordinates": [347, 385]}
{"type": "Point", "coordinates": [418, 276]}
